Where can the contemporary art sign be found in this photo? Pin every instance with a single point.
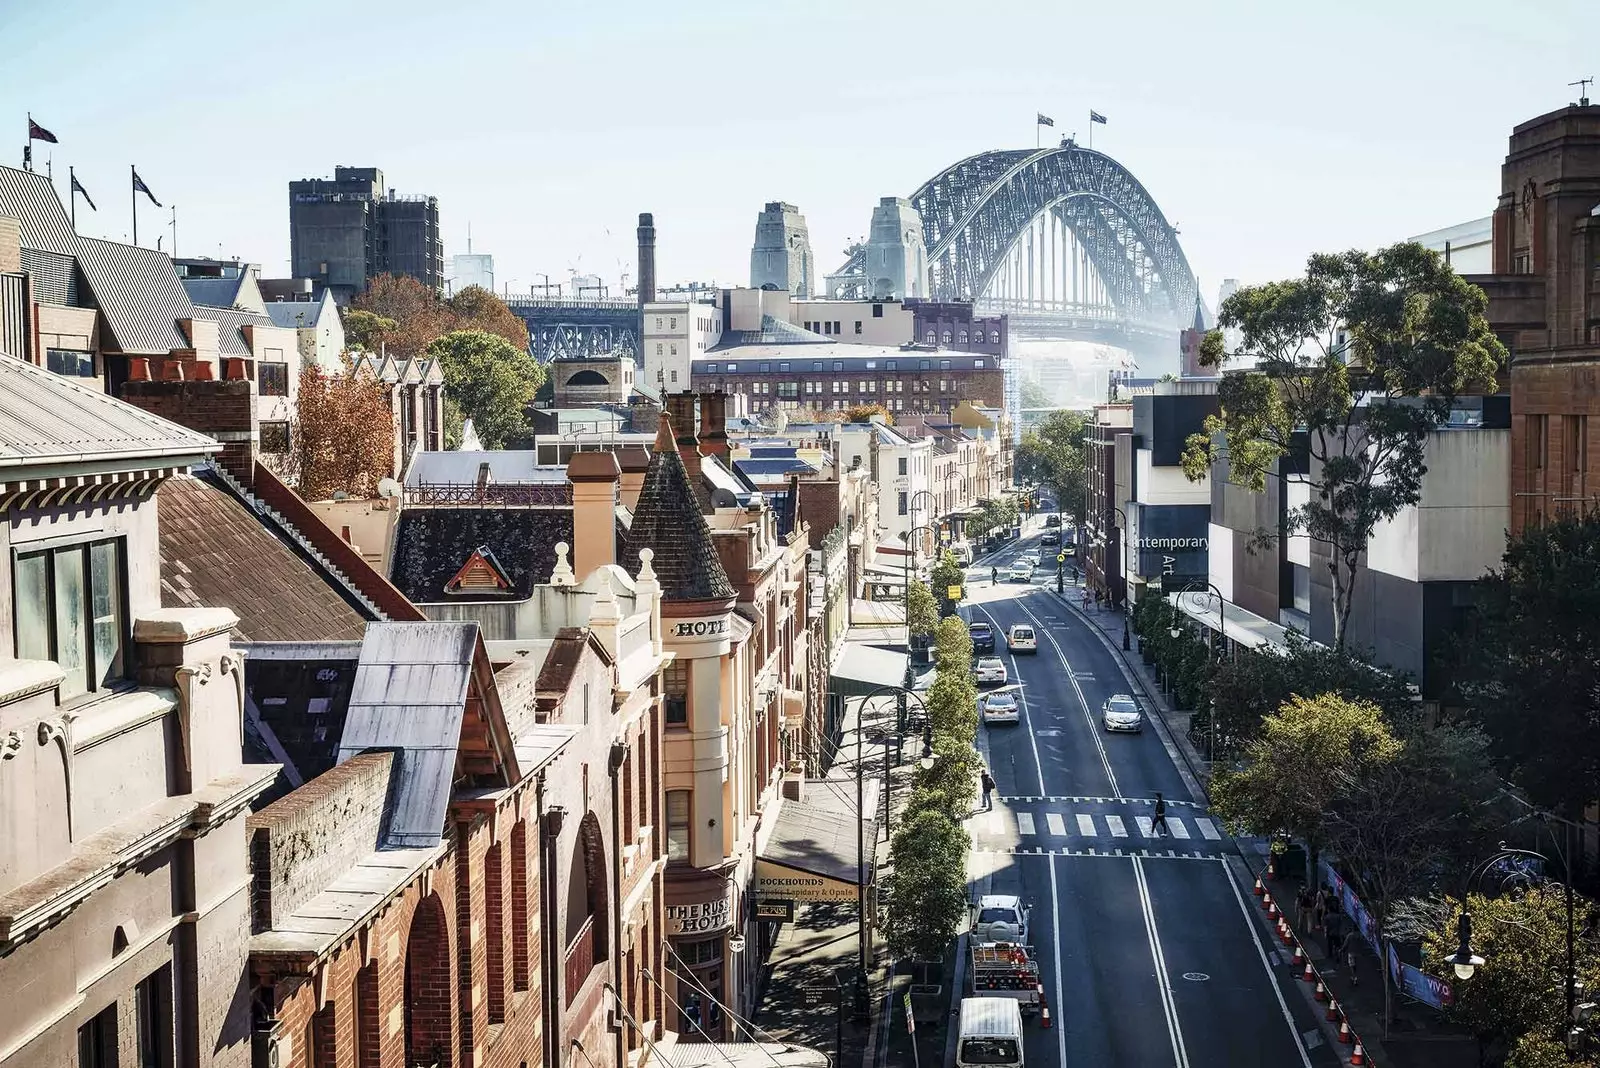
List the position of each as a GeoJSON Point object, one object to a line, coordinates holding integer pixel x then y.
{"type": "Point", "coordinates": [1173, 540]}
{"type": "Point", "coordinates": [703, 917]}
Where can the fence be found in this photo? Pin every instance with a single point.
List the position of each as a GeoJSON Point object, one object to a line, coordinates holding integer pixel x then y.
{"type": "Point", "coordinates": [1411, 981]}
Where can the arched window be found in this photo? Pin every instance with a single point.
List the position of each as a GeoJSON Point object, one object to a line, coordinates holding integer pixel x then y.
{"type": "Point", "coordinates": [429, 988]}
{"type": "Point", "coordinates": [588, 905]}
{"type": "Point", "coordinates": [588, 377]}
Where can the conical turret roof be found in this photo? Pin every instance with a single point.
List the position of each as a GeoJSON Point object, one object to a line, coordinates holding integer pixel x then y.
{"type": "Point", "coordinates": [667, 520]}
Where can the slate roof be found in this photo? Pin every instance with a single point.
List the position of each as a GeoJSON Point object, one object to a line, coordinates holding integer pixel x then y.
{"type": "Point", "coordinates": [28, 197]}
{"type": "Point", "coordinates": [47, 417]}
{"type": "Point", "coordinates": [431, 544]}
{"type": "Point", "coordinates": [214, 552]}
{"type": "Point", "coordinates": [773, 331]}
{"type": "Point", "coordinates": [140, 296]}
{"type": "Point", "coordinates": [213, 292]}
{"type": "Point", "coordinates": [289, 313]}
{"type": "Point", "coordinates": [667, 519]}
{"type": "Point", "coordinates": [230, 327]}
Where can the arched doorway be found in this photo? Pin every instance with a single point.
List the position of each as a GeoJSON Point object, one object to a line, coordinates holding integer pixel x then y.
{"type": "Point", "coordinates": [428, 992]}
{"type": "Point", "coordinates": [588, 906]}
{"type": "Point", "coordinates": [588, 377]}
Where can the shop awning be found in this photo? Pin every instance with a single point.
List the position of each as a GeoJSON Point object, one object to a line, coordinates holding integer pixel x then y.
{"type": "Point", "coordinates": [862, 668]}
{"type": "Point", "coordinates": [811, 855]}
{"type": "Point", "coordinates": [1242, 627]}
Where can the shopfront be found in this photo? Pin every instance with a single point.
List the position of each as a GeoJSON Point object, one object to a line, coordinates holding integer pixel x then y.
{"type": "Point", "coordinates": [699, 919]}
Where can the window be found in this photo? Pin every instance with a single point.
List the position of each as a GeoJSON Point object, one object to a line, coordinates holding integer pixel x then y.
{"type": "Point", "coordinates": [783, 367]}
{"type": "Point", "coordinates": [658, 322]}
{"type": "Point", "coordinates": [994, 336]}
{"type": "Point", "coordinates": [945, 337]}
{"type": "Point", "coordinates": [732, 367]}
{"type": "Point", "coordinates": [877, 311]}
{"type": "Point", "coordinates": [272, 379]}
{"type": "Point", "coordinates": [674, 376]}
{"type": "Point", "coordinates": [889, 366]}
{"type": "Point", "coordinates": [872, 365]}
{"type": "Point", "coordinates": [765, 368]}
{"type": "Point", "coordinates": [858, 326]}
{"type": "Point", "coordinates": [902, 502]}
{"type": "Point", "coordinates": [153, 1005]}
{"type": "Point", "coordinates": [925, 364]}
{"type": "Point", "coordinates": [660, 349]}
{"type": "Point", "coordinates": [817, 366]}
{"type": "Point", "coordinates": [978, 364]}
{"type": "Point", "coordinates": [71, 608]}
{"type": "Point", "coordinates": [673, 348]}
{"type": "Point", "coordinates": [711, 368]}
{"type": "Point", "coordinates": [962, 337]}
{"type": "Point", "coordinates": [931, 337]}
{"type": "Point", "coordinates": [836, 329]}
{"type": "Point", "coordinates": [1538, 443]}
{"type": "Point", "coordinates": [902, 465]}
{"type": "Point", "coordinates": [677, 826]}
{"type": "Point", "coordinates": [672, 323]}
{"type": "Point", "coordinates": [275, 436]}
{"type": "Point", "coordinates": [97, 1040]}
{"type": "Point", "coordinates": [70, 362]}
{"type": "Point", "coordinates": [944, 385]}
{"type": "Point", "coordinates": [1577, 434]}
{"type": "Point", "coordinates": [788, 389]}
{"type": "Point", "coordinates": [944, 365]}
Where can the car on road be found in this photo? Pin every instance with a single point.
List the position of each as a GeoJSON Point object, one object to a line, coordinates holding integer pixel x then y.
{"type": "Point", "coordinates": [1121, 713]}
{"type": "Point", "coordinates": [990, 1033]}
{"type": "Point", "coordinates": [1052, 521]}
{"type": "Point", "coordinates": [1021, 639]}
{"type": "Point", "coordinates": [963, 553]}
{"type": "Point", "coordinates": [1001, 707]}
{"type": "Point", "coordinates": [1021, 571]}
{"type": "Point", "coordinates": [989, 671]}
{"type": "Point", "coordinates": [982, 636]}
{"type": "Point", "coordinates": [1050, 537]}
{"type": "Point", "coordinates": [1001, 918]}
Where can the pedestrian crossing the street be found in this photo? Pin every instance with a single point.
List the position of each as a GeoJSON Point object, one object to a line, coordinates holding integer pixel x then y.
{"type": "Point", "coordinates": [1031, 827]}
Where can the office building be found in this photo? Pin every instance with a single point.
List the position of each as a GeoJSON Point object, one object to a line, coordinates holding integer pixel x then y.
{"type": "Point", "coordinates": [345, 231]}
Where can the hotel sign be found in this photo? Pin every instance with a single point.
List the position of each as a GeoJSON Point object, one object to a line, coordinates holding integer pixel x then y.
{"type": "Point", "coordinates": [704, 917]}
{"type": "Point", "coordinates": [700, 628]}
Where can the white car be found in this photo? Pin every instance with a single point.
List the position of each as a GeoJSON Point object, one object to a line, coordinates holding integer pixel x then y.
{"type": "Point", "coordinates": [1121, 713]}
{"type": "Point", "coordinates": [989, 671]}
{"type": "Point", "coordinates": [1001, 918]}
{"type": "Point", "coordinates": [1001, 707]}
{"type": "Point", "coordinates": [1021, 571]}
{"type": "Point", "coordinates": [1021, 639]}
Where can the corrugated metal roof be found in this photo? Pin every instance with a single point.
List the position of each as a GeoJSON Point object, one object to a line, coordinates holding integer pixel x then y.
{"type": "Point", "coordinates": [295, 314]}
{"type": "Point", "coordinates": [28, 197]}
{"type": "Point", "coordinates": [410, 695]}
{"type": "Point", "coordinates": [140, 295]}
{"type": "Point", "coordinates": [46, 417]}
{"type": "Point", "coordinates": [513, 466]}
{"type": "Point", "coordinates": [230, 323]}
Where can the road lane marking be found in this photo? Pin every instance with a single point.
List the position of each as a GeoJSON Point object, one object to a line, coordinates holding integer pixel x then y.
{"type": "Point", "coordinates": [1083, 702]}
{"type": "Point", "coordinates": [1118, 829]}
{"type": "Point", "coordinates": [1146, 826]}
{"type": "Point", "coordinates": [1086, 825]}
{"type": "Point", "coordinates": [1056, 824]}
{"type": "Point", "coordinates": [1178, 828]}
{"type": "Point", "coordinates": [1272, 977]}
{"type": "Point", "coordinates": [1024, 823]}
{"type": "Point", "coordinates": [1208, 830]}
{"type": "Point", "coordinates": [1055, 932]}
{"type": "Point", "coordinates": [1180, 1053]}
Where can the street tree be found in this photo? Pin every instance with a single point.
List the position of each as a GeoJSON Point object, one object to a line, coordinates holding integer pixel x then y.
{"type": "Point", "coordinates": [994, 514]}
{"type": "Point", "coordinates": [928, 888]}
{"type": "Point", "coordinates": [1054, 454]}
{"type": "Point", "coordinates": [476, 308]}
{"type": "Point", "coordinates": [491, 380]}
{"type": "Point", "coordinates": [950, 785]}
{"type": "Point", "coordinates": [1351, 367]}
{"type": "Point", "coordinates": [1531, 655]}
{"type": "Point", "coordinates": [1519, 989]}
{"type": "Point", "coordinates": [954, 646]}
{"type": "Point", "coordinates": [415, 309]}
{"type": "Point", "coordinates": [947, 574]}
{"type": "Point", "coordinates": [1246, 688]}
{"type": "Point", "coordinates": [923, 611]}
{"type": "Point", "coordinates": [1308, 751]}
{"type": "Point", "coordinates": [367, 331]}
{"type": "Point", "coordinates": [343, 434]}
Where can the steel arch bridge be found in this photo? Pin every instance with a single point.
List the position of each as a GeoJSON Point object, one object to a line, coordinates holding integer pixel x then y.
{"type": "Point", "coordinates": [1065, 239]}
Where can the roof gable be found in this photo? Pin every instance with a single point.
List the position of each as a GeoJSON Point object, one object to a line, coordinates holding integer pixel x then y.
{"type": "Point", "coordinates": [32, 200]}
{"type": "Point", "coordinates": [140, 296]}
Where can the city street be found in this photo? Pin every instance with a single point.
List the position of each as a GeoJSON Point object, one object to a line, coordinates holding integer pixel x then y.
{"type": "Point", "coordinates": [1149, 946]}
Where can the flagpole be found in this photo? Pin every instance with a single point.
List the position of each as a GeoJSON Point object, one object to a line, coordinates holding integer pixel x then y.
{"type": "Point", "coordinates": [1091, 129]}
{"type": "Point", "coordinates": [133, 199]}
{"type": "Point", "coordinates": [72, 191]}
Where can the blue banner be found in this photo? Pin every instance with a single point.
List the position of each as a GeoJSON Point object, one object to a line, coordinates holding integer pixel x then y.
{"type": "Point", "coordinates": [1411, 981]}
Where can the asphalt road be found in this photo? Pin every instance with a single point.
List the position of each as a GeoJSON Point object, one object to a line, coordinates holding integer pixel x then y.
{"type": "Point", "coordinates": [1150, 952]}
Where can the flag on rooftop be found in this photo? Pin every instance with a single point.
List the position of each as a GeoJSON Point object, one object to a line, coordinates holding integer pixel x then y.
{"type": "Point", "coordinates": [79, 190]}
{"type": "Point", "coordinates": [1095, 116]}
{"type": "Point", "coordinates": [39, 133]}
{"type": "Point", "coordinates": [140, 187]}
{"type": "Point", "coordinates": [1045, 120]}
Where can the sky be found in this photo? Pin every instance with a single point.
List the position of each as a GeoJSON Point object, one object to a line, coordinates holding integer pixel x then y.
{"type": "Point", "coordinates": [1265, 131]}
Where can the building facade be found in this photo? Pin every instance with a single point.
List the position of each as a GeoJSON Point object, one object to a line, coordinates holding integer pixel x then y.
{"type": "Point", "coordinates": [346, 230]}
{"type": "Point", "coordinates": [835, 377]}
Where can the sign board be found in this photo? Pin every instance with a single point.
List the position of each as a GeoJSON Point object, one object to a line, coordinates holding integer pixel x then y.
{"type": "Point", "coordinates": [953, 593]}
{"type": "Point", "coordinates": [775, 910]}
{"type": "Point", "coordinates": [1061, 558]}
{"type": "Point", "coordinates": [705, 917]}
{"type": "Point", "coordinates": [781, 881]}
{"type": "Point", "coordinates": [1172, 539]}
{"type": "Point", "coordinates": [911, 1018]}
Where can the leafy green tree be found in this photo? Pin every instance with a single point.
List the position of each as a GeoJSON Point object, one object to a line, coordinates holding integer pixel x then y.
{"type": "Point", "coordinates": [491, 379]}
{"type": "Point", "coordinates": [1034, 395]}
{"type": "Point", "coordinates": [1531, 656]}
{"type": "Point", "coordinates": [928, 890]}
{"type": "Point", "coordinates": [996, 513]}
{"type": "Point", "coordinates": [947, 573]}
{"type": "Point", "coordinates": [923, 610]}
{"type": "Point", "coordinates": [1054, 454]}
{"type": "Point", "coordinates": [1308, 753]}
{"type": "Point", "coordinates": [1519, 989]}
{"type": "Point", "coordinates": [1256, 682]}
{"type": "Point", "coordinates": [953, 705]}
{"type": "Point", "coordinates": [1361, 409]}
{"type": "Point", "coordinates": [950, 786]}
{"type": "Point", "coordinates": [367, 330]}
{"type": "Point", "coordinates": [954, 646]}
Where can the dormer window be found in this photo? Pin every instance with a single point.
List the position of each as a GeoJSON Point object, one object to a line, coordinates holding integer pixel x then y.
{"type": "Point", "coordinates": [481, 573]}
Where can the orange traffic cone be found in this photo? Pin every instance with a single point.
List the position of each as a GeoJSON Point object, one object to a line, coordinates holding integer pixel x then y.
{"type": "Point", "coordinates": [1321, 992]}
{"type": "Point", "coordinates": [1267, 902]}
{"type": "Point", "coordinates": [1287, 934]}
{"type": "Point", "coordinates": [1259, 890]}
{"type": "Point", "coordinates": [1345, 1037]}
{"type": "Point", "coordinates": [1272, 910]}
{"type": "Point", "coordinates": [1044, 1009]}
{"type": "Point", "coordinates": [1359, 1056]}
{"type": "Point", "coordinates": [1333, 1009]}
{"type": "Point", "coordinates": [1308, 975]}
{"type": "Point", "coordinates": [1272, 866]}
{"type": "Point", "coordinates": [1299, 954]}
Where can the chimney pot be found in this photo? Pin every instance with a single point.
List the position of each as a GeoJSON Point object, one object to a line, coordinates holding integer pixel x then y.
{"type": "Point", "coordinates": [139, 369]}
{"type": "Point", "coordinates": [203, 372]}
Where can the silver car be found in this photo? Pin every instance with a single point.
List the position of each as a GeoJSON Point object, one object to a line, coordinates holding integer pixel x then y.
{"type": "Point", "coordinates": [1001, 708]}
{"type": "Point", "coordinates": [1121, 713]}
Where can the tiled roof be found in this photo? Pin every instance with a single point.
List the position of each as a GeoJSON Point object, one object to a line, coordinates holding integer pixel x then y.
{"type": "Point", "coordinates": [214, 552]}
{"type": "Point", "coordinates": [140, 296]}
{"type": "Point", "coordinates": [28, 197]}
{"type": "Point", "coordinates": [230, 327]}
{"type": "Point", "coordinates": [667, 520]}
{"type": "Point", "coordinates": [431, 544]}
{"type": "Point", "coordinates": [47, 417]}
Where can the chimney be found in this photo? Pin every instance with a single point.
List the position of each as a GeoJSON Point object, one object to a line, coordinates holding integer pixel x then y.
{"type": "Point", "coordinates": [223, 409]}
{"type": "Point", "coordinates": [680, 410]}
{"type": "Point", "coordinates": [11, 249]}
{"type": "Point", "coordinates": [647, 257]}
{"type": "Point", "coordinates": [714, 424]}
{"type": "Point", "coordinates": [594, 510]}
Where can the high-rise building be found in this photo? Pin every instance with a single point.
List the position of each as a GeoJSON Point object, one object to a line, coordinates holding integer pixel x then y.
{"type": "Point", "coordinates": [781, 255]}
{"type": "Point", "coordinates": [344, 231]}
{"type": "Point", "coordinates": [471, 269]}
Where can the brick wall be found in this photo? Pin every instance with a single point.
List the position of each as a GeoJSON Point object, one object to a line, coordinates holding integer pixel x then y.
{"type": "Point", "coordinates": [306, 839]}
{"type": "Point", "coordinates": [224, 409]}
{"type": "Point", "coordinates": [819, 505]}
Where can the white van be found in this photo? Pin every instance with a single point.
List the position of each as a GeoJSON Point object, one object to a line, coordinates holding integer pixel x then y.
{"type": "Point", "coordinates": [991, 1034]}
{"type": "Point", "coordinates": [963, 553]}
{"type": "Point", "coordinates": [1021, 639]}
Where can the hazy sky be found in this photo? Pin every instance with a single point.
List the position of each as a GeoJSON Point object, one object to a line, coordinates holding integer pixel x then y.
{"type": "Point", "coordinates": [1264, 130]}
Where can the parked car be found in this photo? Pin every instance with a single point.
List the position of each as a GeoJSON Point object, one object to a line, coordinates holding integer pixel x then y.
{"type": "Point", "coordinates": [963, 553]}
{"type": "Point", "coordinates": [1001, 918]}
{"type": "Point", "coordinates": [1121, 713]}
{"type": "Point", "coordinates": [982, 636]}
{"type": "Point", "coordinates": [1021, 571]}
{"type": "Point", "coordinates": [1021, 639]}
{"type": "Point", "coordinates": [1001, 707]}
{"type": "Point", "coordinates": [991, 1033]}
{"type": "Point", "coordinates": [989, 671]}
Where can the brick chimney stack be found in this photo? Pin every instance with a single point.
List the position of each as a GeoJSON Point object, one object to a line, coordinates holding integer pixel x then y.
{"type": "Point", "coordinates": [647, 258]}
{"type": "Point", "coordinates": [680, 410]}
{"type": "Point", "coordinates": [225, 410]}
{"type": "Point", "coordinates": [594, 477]}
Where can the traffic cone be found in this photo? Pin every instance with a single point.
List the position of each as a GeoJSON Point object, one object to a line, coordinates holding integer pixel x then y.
{"type": "Point", "coordinates": [1044, 1009]}
{"type": "Point", "coordinates": [1272, 910]}
{"type": "Point", "coordinates": [1299, 954]}
{"type": "Point", "coordinates": [1308, 975]}
{"type": "Point", "coordinates": [1359, 1055]}
{"type": "Point", "coordinates": [1321, 993]}
{"type": "Point", "coordinates": [1345, 1037]}
{"type": "Point", "coordinates": [1266, 901]}
{"type": "Point", "coordinates": [1284, 932]}
{"type": "Point", "coordinates": [1333, 1009]}
{"type": "Point", "coordinates": [1272, 866]}
{"type": "Point", "coordinates": [1259, 890]}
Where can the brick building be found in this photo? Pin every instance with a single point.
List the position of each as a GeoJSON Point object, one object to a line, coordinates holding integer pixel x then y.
{"type": "Point", "coordinates": [833, 377]}
{"type": "Point", "coordinates": [1105, 513]}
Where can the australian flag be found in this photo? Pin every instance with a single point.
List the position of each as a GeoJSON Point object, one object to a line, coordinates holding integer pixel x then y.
{"type": "Point", "coordinates": [39, 133]}
{"type": "Point", "coordinates": [80, 191]}
{"type": "Point", "coordinates": [1045, 120]}
{"type": "Point", "coordinates": [140, 187]}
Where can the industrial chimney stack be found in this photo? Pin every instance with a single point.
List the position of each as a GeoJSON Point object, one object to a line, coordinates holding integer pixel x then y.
{"type": "Point", "coordinates": [647, 258]}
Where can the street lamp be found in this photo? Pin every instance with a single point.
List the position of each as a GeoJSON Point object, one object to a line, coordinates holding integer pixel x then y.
{"type": "Point", "coordinates": [1222, 606]}
{"type": "Point", "coordinates": [906, 565]}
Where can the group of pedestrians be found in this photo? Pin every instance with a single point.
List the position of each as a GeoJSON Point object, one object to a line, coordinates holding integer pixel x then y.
{"type": "Point", "coordinates": [1317, 911]}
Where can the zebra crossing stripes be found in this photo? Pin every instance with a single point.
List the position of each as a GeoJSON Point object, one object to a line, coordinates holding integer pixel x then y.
{"type": "Point", "coordinates": [1116, 826]}
{"type": "Point", "coordinates": [1086, 824]}
{"type": "Point", "coordinates": [1023, 799]}
{"type": "Point", "coordinates": [1178, 828]}
{"type": "Point", "coordinates": [1056, 824]}
{"type": "Point", "coordinates": [1208, 830]}
{"type": "Point", "coordinates": [1146, 829]}
{"type": "Point", "coordinates": [1024, 823]}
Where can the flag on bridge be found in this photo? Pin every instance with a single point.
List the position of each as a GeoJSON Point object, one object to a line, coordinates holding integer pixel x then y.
{"type": "Point", "coordinates": [1045, 120]}
{"type": "Point", "coordinates": [1095, 116]}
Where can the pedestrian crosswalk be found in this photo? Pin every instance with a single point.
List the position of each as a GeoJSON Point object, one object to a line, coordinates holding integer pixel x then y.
{"type": "Point", "coordinates": [999, 821]}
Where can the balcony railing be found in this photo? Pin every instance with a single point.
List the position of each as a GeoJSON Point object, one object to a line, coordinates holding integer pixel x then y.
{"type": "Point", "coordinates": [493, 493]}
{"type": "Point", "coordinates": [580, 959]}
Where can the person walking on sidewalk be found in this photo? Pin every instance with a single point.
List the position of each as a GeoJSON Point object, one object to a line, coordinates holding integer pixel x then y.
{"type": "Point", "coordinates": [1086, 598]}
{"type": "Point", "coordinates": [1347, 946]}
{"type": "Point", "coordinates": [988, 790]}
{"type": "Point", "coordinates": [1304, 902]}
{"type": "Point", "coordinates": [1158, 826]}
{"type": "Point", "coordinates": [994, 576]}
{"type": "Point", "coordinates": [1319, 909]}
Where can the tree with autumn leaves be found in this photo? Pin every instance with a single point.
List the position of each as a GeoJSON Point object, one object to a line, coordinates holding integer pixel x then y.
{"type": "Point", "coordinates": [343, 436]}
{"type": "Point", "coordinates": [399, 315]}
